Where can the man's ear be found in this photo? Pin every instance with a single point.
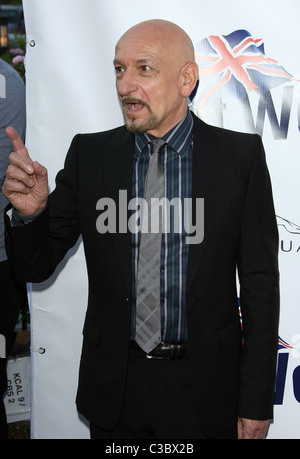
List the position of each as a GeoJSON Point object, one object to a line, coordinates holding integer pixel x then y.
{"type": "Point", "coordinates": [190, 73]}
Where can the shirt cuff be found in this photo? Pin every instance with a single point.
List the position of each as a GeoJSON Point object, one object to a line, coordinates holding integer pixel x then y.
{"type": "Point", "coordinates": [20, 220]}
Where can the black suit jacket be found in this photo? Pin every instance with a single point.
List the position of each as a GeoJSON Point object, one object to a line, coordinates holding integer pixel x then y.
{"type": "Point", "coordinates": [233, 370]}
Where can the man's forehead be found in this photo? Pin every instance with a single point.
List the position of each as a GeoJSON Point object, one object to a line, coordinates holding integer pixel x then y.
{"type": "Point", "coordinates": [139, 51]}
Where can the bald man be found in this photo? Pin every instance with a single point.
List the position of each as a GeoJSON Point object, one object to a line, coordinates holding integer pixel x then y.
{"type": "Point", "coordinates": [168, 360]}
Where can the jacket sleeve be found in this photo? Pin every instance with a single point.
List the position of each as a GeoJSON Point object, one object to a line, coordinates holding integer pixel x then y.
{"type": "Point", "coordinates": [259, 293]}
{"type": "Point", "coordinates": [35, 249]}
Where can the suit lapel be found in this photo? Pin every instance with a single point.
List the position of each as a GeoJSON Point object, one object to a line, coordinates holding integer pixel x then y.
{"type": "Point", "coordinates": [118, 176]}
{"type": "Point", "coordinates": [208, 164]}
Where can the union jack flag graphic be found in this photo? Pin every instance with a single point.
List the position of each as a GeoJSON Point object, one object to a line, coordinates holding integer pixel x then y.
{"type": "Point", "coordinates": [283, 344]}
{"type": "Point", "coordinates": [234, 65]}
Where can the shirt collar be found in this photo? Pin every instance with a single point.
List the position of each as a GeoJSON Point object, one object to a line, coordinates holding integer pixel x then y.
{"type": "Point", "coordinates": [179, 137]}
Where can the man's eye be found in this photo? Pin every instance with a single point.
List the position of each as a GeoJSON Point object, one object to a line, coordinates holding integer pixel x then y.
{"type": "Point", "coordinates": [145, 68]}
{"type": "Point", "coordinates": [119, 69]}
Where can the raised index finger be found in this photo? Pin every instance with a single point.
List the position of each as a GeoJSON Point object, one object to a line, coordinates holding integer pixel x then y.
{"type": "Point", "coordinates": [20, 150]}
{"type": "Point", "coordinates": [16, 141]}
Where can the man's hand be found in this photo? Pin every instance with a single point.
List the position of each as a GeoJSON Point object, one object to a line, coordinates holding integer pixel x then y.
{"type": "Point", "coordinates": [26, 184]}
{"type": "Point", "coordinates": [252, 430]}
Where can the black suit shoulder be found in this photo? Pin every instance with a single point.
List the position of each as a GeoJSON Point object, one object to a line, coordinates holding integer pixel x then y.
{"type": "Point", "coordinates": [242, 150]}
{"type": "Point", "coordinates": [87, 150]}
{"type": "Point", "coordinates": [221, 135]}
{"type": "Point", "coordinates": [111, 138]}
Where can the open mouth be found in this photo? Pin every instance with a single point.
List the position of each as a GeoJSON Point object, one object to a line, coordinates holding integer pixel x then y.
{"type": "Point", "coordinates": [133, 105]}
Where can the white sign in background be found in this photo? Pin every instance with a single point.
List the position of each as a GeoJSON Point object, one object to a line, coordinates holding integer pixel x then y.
{"type": "Point", "coordinates": [70, 89]}
{"type": "Point", "coordinates": [17, 398]}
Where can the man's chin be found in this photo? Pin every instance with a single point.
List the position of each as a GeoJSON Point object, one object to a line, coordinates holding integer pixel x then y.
{"type": "Point", "coordinates": [136, 127]}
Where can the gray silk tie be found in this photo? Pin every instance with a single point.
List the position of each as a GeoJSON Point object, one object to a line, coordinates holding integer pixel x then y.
{"type": "Point", "coordinates": [148, 323]}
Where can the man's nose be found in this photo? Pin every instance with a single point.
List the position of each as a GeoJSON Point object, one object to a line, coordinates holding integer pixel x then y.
{"type": "Point", "coordinates": [126, 83]}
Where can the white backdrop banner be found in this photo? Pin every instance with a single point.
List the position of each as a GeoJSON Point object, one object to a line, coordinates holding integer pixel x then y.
{"type": "Point", "coordinates": [249, 66]}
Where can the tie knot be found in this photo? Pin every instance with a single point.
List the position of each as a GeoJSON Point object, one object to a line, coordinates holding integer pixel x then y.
{"type": "Point", "coordinates": [157, 145]}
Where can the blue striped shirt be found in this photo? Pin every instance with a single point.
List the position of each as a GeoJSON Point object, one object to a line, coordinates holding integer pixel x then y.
{"type": "Point", "coordinates": [177, 157]}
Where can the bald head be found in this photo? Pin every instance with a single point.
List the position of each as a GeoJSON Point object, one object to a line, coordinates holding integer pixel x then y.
{"type": "Point", "coordinates": [156, 72]}
{"type": "Point", "coordinates": [169, 35]}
